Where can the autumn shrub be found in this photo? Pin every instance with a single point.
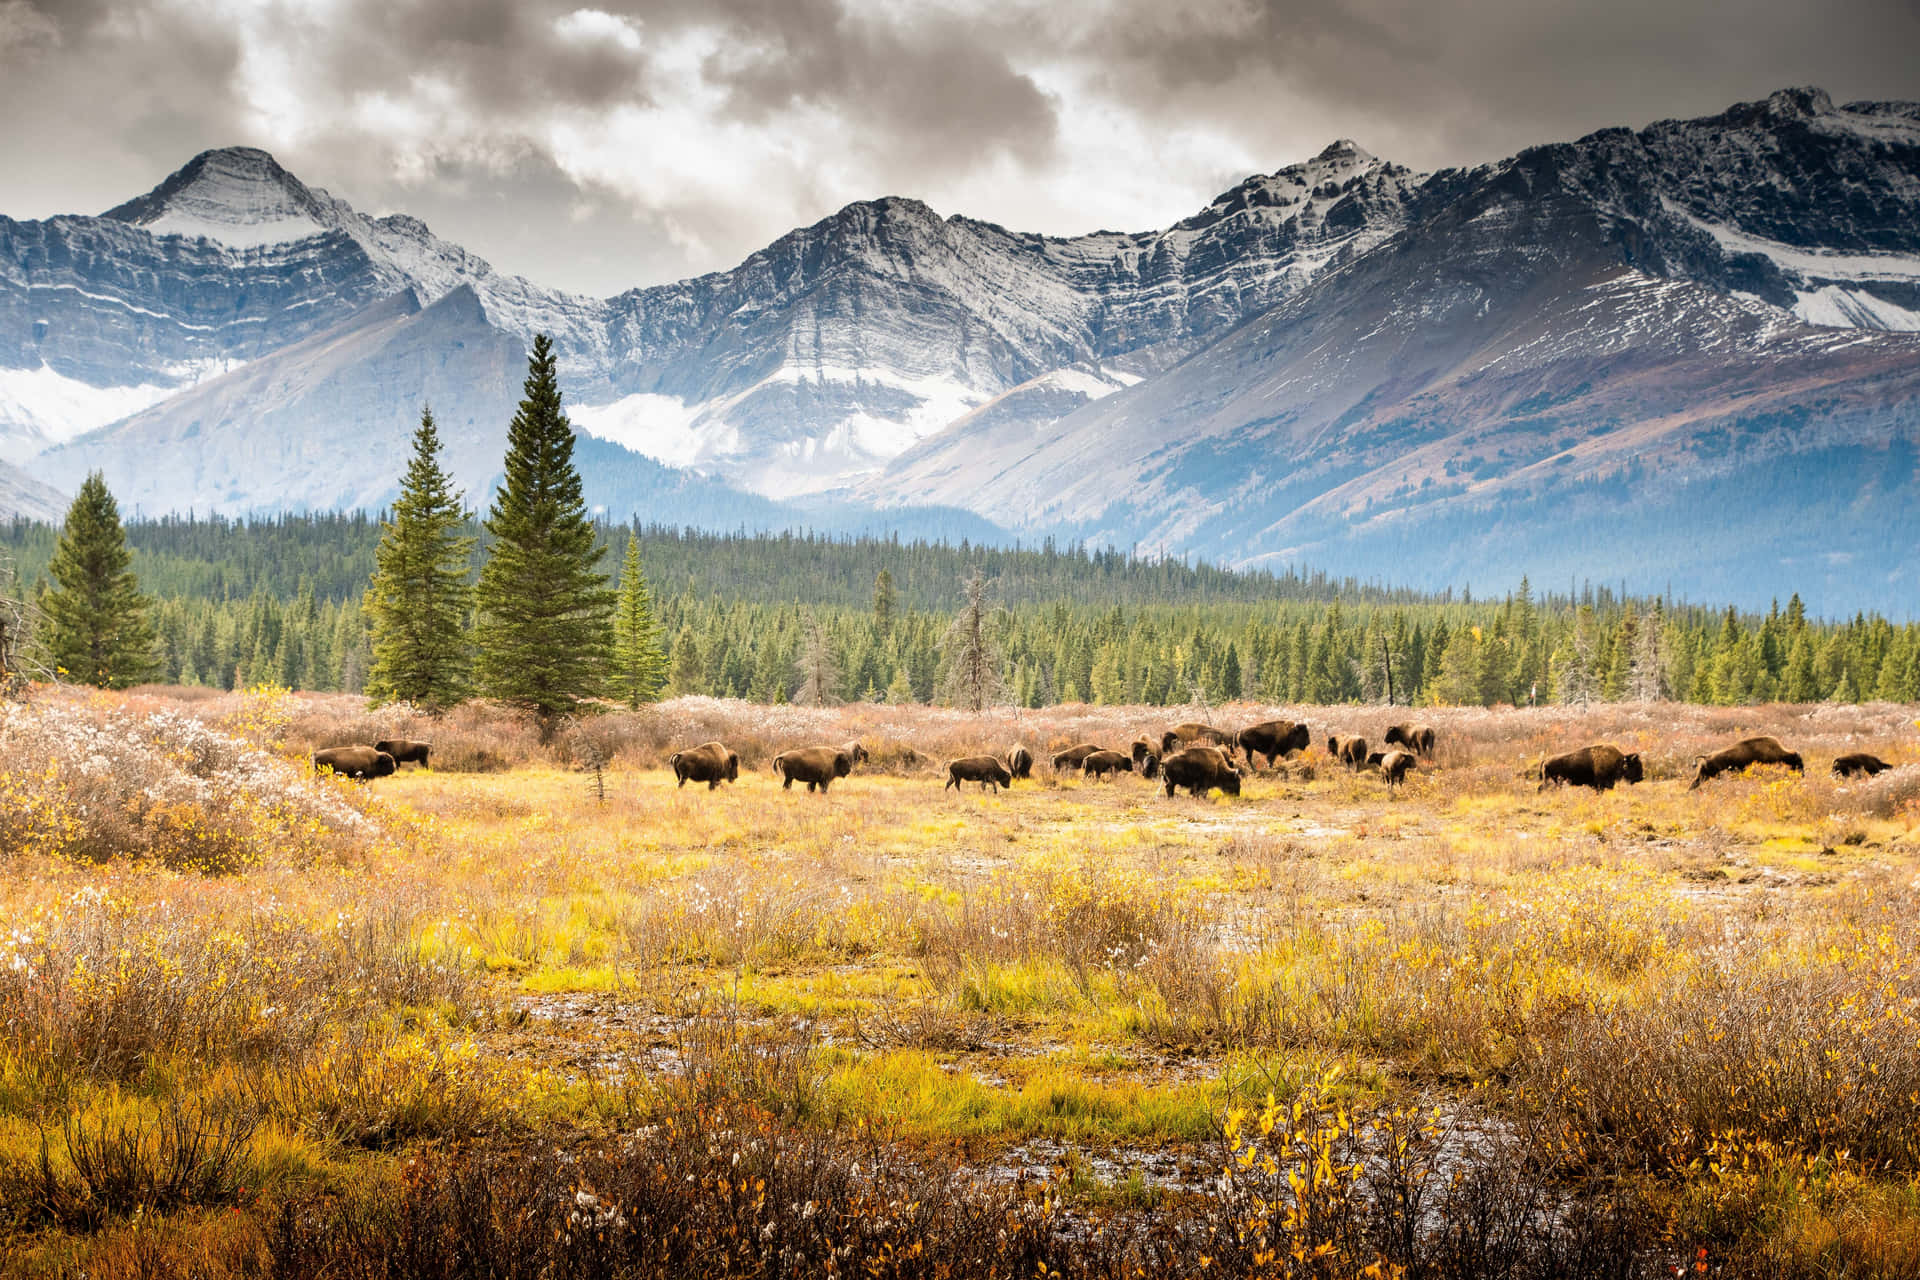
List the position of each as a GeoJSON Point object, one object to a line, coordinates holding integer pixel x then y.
{"type": "Point", "coordinates": [102, 784]}
{"type": "Point", "coordinates": [109, 984]}
{"type": "Point", "coordinates": [1813, 1058]}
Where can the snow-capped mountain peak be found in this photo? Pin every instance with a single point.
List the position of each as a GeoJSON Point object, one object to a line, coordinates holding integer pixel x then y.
{"type": "Point", "coordinates": [239, 197]}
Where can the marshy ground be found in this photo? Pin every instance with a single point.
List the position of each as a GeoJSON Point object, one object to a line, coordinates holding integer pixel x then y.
{"type": "Point", "coordinates": [528, 1013]}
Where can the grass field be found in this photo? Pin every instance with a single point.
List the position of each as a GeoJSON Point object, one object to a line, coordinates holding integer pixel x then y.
{"type": "Point", "coordinates": [519, 1016]}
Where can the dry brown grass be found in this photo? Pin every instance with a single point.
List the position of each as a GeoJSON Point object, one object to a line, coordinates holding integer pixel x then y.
{"type": "Point", "coordinates": [1689, 1015]}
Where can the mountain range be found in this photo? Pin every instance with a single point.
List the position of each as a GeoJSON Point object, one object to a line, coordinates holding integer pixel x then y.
{"type": "Point", "coordinates": [1684, 356]}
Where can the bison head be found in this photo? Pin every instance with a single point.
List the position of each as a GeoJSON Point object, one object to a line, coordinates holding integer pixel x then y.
{"type": "Point", "coordinates": [1630, 767]}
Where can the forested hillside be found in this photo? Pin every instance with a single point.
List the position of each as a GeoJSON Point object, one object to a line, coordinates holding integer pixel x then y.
{"type": "Point", "coordinates": [280, 600]}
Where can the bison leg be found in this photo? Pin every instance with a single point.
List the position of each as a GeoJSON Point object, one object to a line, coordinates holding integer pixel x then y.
{"type": "Point", "coordinates": [713, 784]}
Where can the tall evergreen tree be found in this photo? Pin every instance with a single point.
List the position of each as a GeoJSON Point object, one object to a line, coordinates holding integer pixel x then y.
{"type": "Point", "coordinates": [417, 603]}
{"type": "Point", "coordinates": [818, 668]}
{"type": "Point", "coordinates": [974, 678]}
{"type": "Point", "coordinates": [98, 630]}
{"type": "Point", "coordinates": [543, 603]}
{"type": "Point", "coordinates": [639, 663]}
{"type": "Point", "coordinates": [885, 600]}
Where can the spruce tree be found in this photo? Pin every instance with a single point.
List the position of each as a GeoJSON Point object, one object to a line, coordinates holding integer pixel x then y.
{"type": "Point", "coordinates": [971, 647]}
{"type": "Point", "coordinates": [543, 604]}
{"type": "Point", "coordinates": [639, 663]}
{"type": "Point", "coordinates": [417, 603]}
{"type": "Point", "coordinates": [98, 632]}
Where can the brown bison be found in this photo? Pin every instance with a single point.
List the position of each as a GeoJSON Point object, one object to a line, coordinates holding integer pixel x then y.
{"type": "Point", "coordinates": [1146, 759]}
{"type": "Point", "coordinates": [361, 762]}
{"type": "Point", "coordinates": [710, 762]}
{"type": "Point", "coordinates": [1104, 764]}
{"type": "Point", "coordinates": [1741, 755]}
{"type": "Point", "coordinates": [1272, 739]}
{"type": "Point", "coordinates": [815, 766]}
{"type": "Point", "coordinates": [1417, 738]}
{"type": "Point", "coordinates": [405, 750]}
{"type": "Point", "coordinates": [1394, 764]}
{"type": "Point", "coordinates": [985, 770]}
{"type": "Point", "coordinates": [1020, 762]}
{"type": "Point", "coordinates": [1073, 757]}
{"type": "Point", "coordinates": [1859, 763]}
{"type": "Point", "coordinates": [1599, 766]}
{"type": "Point", "coordinates": [1200, 770]}
{"type": "Point", "coordinates": [1193, 733]}
{"type": "Point", "coordinates": [1350, 750]}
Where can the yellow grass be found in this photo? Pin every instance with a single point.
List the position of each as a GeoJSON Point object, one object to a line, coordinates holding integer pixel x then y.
{"type": "Point", "coordinates": [1687, 980]}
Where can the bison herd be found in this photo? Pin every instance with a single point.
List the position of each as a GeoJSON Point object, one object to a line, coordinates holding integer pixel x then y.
{"type": "Point", "coordinates": [1198, 758]}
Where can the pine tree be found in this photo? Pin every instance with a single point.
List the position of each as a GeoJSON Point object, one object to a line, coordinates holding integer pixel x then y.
{"type": "Point", "coordinates": [971, 648]}
{"type": "Point", "coordinates": [885, 600]}
{"type": "Point", "coordinates": [818, 668]}
{"type": "Point", "coordinates": [543, 604]}
{"type": "Point", "coordinates": [417, 603]}
{"type": "Point", "coordinates": [684, 671]}
{"type": "Point", "coordinates": [639, 664]}
{"type": "Point", "coordinates": [98, 631]}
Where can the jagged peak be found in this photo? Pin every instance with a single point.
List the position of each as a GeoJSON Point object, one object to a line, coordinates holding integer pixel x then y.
{"type": "Point", "coordinates": [238, 196]}
{"type": "Point", "coordinates": [1345, 150]}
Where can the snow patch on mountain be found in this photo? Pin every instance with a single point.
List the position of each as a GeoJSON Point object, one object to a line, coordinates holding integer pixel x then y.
{"type": "Point", "coordinates": [1842, 308]}
{"type": "Point", "coordinates": [40, 408]}
{"type": "Point", "coordinates": [664, 428]}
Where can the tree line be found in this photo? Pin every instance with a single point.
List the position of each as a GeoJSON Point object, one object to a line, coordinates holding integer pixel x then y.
{"type": "Point", "coordinates": [430, 605]}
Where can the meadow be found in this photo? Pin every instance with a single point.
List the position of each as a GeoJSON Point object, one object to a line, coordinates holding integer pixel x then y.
{"type": "Point", "coordinates": [537, 1011]}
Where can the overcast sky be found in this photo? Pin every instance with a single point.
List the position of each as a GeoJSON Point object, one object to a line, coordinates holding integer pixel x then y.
{"type": "Point", "coordinates": [631, 143]}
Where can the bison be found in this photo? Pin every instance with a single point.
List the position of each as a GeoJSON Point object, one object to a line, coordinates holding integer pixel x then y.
{"type": "Point", "coordinates": [361, 762]}
{"type": "Point", "coordinates": [1272, 739]}
{"type": "Point", "coordinates": [1146, 758]}
{"type": "Point", "coordinates": [985, 770]}
{"type": "Point", "coordinates": [1743, 754]}
{"type": "Point", "coordinates": [1394, 764]}
{"type": "Point", "coordinates": [1199, 770]}
{"type": "Point", "coordinates": [1193, 733]}
{"type": "Point", "coordinates": [1104, 764]}
{"type": "Point", "coordinates": [405, 751]}
{"type": "Point", "coordinates": [1417, 738]}
{"type": "Point", "coordinates": [856, 753]}
{"type": "Point", "coordinates": [1073, 757]}
{"type": "Point", "coordinates": [1349, 750]}
{"type": "Point", "coordinates": [1859, 763]}
{"type": "Point", "coordinates": [710, 762]}
{"type": "Point", "coordinates": [1599, 766]}
{"type": "Point", "coordinates": [1019, 762]}
{"type": "Point", "coordinates": [815, 766]}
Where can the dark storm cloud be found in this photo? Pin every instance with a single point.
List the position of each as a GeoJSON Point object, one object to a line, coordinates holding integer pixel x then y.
{"type": "Point", "coordinates": [597, 145]}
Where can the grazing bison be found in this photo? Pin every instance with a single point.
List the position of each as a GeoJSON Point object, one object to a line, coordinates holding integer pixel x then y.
{"type": "Point", "coordinates": [1743, 754]}
{"type": "Point", "coordinates": [405, 750]}
{"type": "Point", "coordinates": [1073, 757]}
{"type": "Point", "coordinates": [360, 762]}
{"type": "Point", "coordinates": [985, 770]}
{"type": "Point", "coordinates": [1104, 764]}
{"type": "Point", "coordinates": [1349, 750]}
{"type": "Point", "coordinates": [1200, 770]}
{"type": "Point", "coordinates": [1146, 758]}
{"type": "Point", "coordinates": [1417, 738]}
{"type": "Point", "coordinates": [1020, 762]}
{"type": "Point", "coordinates": [1599, 767]}
{"type": "Point", "coordinates": [710, 762]}
{"type": "Point", "coordinates": [1859, 763]}
{"type": "Point", "coordinates": [1272, 739]}
{"type": "Point", "coordinates": [1395, 764]}
{"type": "Point", "coordinates": [1193, 733]}
{"type": "Point", "coordinates": [815, 766]}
